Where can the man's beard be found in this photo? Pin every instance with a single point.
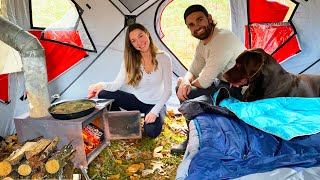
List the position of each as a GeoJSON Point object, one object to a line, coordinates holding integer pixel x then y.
{"type": "Point", "coordinates": [206, 33]}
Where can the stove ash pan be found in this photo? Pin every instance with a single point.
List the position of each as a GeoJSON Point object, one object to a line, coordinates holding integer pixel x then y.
{"type": "Point", "coordinates": [113, 125]}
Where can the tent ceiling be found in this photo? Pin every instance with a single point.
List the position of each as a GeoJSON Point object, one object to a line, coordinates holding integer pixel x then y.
{"type": "Point", "coordinates": [130, 7]}
{"type": "Point", "coordinates": [133, 5]}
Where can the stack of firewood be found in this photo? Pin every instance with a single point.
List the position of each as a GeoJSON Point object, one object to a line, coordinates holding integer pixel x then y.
{"type": "Point", "coordinates": [39, 159]}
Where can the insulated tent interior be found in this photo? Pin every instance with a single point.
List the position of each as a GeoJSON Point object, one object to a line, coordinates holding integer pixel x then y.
{"type": "Point", "coordinates": [89, 48]}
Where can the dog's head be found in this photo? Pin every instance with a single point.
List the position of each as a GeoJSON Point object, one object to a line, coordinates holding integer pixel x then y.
{"type": "Point", "coordinates": [247, 66]}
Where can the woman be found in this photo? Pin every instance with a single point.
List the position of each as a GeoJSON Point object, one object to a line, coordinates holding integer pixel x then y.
{"type": "Point", "coordinates": [149, 71]}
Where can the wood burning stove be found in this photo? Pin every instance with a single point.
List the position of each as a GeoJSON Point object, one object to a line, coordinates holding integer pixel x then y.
{"type": "Point", "coordinates": [101, 125]}
{"type": "Point", "coordinates": [67, 130]}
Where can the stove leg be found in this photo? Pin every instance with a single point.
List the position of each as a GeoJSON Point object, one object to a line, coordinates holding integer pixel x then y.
{"type": "Point", "coordinates": [84, 172]}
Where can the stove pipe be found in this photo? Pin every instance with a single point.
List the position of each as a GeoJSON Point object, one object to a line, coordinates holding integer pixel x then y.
{"type": "Point", "coordinates": [34, 65]}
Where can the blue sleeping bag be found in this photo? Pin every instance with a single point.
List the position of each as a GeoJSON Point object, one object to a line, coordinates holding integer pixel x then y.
{"type": "Point", "coordinates": [230, 148]}
{"type": "Point", "coordinates": [285, 117]}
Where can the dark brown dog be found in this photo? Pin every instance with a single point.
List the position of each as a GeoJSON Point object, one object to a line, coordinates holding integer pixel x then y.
{"type": "Point", "coordinates": [266, 78]}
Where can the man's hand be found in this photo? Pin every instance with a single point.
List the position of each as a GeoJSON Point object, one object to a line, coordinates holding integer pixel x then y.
{"type": "Point", "coordinates": [150, 118]}
{"type": "Point", "coordinates": [196, 84]}
{"type": "Point", "coordinates": [94, 90]}
{"type": "Point", "coordinates": [184, 89]}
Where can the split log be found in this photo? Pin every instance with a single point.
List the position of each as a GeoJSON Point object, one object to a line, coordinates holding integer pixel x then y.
{"type": "Point", "coordinates": [59, 159]}
{"type": "Point", "coordinates": [37, 160]}
{"type": "Point", "coordinates": [34, 162]}
{"type": "Point", "coordinates": [37, 148]}
{"type": "Point", "coordinates": [45, 154]}
{"type": "Point", "coordinates": [18, 155]}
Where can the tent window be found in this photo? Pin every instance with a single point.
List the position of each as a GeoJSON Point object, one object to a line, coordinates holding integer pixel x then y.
{"type": "Point", "coordinates": [176, 34]}
{"type": "Point", "coordinates": [47, 12]}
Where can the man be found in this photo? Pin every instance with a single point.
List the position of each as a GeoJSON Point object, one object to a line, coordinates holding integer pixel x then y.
{"type": "Point", "coordinates": [215, 54]}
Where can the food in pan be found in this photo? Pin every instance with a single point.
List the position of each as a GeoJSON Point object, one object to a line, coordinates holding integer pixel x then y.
{"type": "Point", "coordinates": [72, 107]}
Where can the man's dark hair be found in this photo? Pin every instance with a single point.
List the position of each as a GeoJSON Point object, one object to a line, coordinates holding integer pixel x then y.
{"type": "Point", "coordinates": [194, 8]}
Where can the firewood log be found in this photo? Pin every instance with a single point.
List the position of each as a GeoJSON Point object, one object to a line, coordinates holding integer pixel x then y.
{"type": "Point", "coordinates": [5, 168]}
{"type": "Point", "coordinates": [39, 160]}
{"type": "Point", "coordinates": [45, 154]}
{"type": "Point", "coordinates": [55, 176]}
{"type": "Point", "coordinates": [59, 159]}
{"type": "Point", "coordinates": [54, 165]}
{"type": "Point", "coordinates": [37, 148]}
{"type": "Point", "coordinates": [15, 157]}
{"type": "Point", "coordinates": [38, 175]}
{"type": "Point", "coordinates": [12, 176]}
{"type": "Point", "coordinates": [24, 169]}
{"type": "Point", "coordinates": [34, 162]}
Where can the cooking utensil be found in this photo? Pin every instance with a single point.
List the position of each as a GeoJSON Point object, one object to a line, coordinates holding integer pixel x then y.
{"type": "Point", "coordinates": [74, 115]}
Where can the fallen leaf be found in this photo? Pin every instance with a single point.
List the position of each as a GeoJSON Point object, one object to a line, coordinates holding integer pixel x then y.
{"type": "Point", "coordinates": [157, 155]}
{"type": "Point", "coordinates": [141, 166]}
{"type": "Point", "coordinates": [118, 161]}
{"type": "Point", "coordinates": [133, 169]}
{"type": "Point", "coordinates": [178, 118]}
{"type": "Point", "coordinates": [114, 177]}
{"type": "Point", "coordinates": [157, 165]}
{"type": "Point", "coordinates": [170, 112]}
{"type": "Point", "coordinates": [146, 172]}
{"type": "Point", "coordinates": [158, 149]}
{"type": "Point", "coordinates": [134, 177]}
{"type": "Point", "coordinates": [146, 155]}
{"type": "Point", "coordinates": [165, 152]}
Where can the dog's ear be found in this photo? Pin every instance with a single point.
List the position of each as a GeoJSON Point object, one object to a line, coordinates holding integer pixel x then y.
{"type": "Point", "coordinates": [254, 62]}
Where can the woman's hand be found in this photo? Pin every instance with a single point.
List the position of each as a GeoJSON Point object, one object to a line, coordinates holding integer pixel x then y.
{"type": "Point", "coordinates": [94, 90]}
{"type": "Point", "coordinates": [150, 118]}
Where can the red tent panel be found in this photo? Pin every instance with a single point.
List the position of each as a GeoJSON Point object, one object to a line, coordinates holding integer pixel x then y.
{"type": "Point", "coordinates": [264, 11]}
{"type": "Point", "coordinates": [4, 90]}
{"type": "Point", "coordinates": [269, 36]}
{"type": "Point", "coordinates": [290, 49]}
{"type": "Point", "coordinates": [60, 58]}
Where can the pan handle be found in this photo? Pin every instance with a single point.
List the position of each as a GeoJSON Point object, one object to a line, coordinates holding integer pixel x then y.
{"type": "Point", "coordinates": [93, 94]}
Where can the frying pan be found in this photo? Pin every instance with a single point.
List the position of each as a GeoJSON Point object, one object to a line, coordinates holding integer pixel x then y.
{"type": "Point", "coordinates": [67, 116]}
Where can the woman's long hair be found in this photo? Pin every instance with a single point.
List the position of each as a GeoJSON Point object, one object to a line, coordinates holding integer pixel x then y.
{"type": "Point", "coordinates": [133, 58]}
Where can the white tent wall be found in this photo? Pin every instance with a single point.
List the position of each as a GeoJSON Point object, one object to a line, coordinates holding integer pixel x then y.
{"type": "Point", "coordinates": [107, 65]}
{"type": "Point", "coordinates": [16, 80]}
{"type": "Point", "coordinates": [307, 24]}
